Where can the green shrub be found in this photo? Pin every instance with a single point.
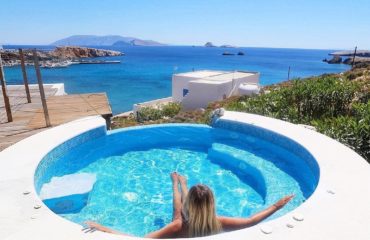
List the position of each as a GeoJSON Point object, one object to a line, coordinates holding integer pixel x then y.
{"type": "Point", "coordinates": [168, 110]}
{"type": "Point", "coordinates": [337, 107]}
{"type": "Point", "coordinates": [171, 109]}
{"type": "Point", "coordinates": [351, 131]}
{"type": "Point", "coordinates": [302, 101]}
{"type": "Point", "coordinates": [148, 114]}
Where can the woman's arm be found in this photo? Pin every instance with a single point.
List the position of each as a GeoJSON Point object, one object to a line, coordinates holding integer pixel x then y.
{"type": "Point", "coordinates": [170, 230]}
{"type": "Point", "coordinates": [97, 226]}
{"type": "Point", "coordinates": [229, 223]}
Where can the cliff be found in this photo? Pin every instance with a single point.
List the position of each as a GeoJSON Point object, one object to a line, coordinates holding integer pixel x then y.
{"type": "Point", "coordinates": [82, 52]}
{"type": "Point", "coordinates": [362, 56]}
{"type": "Point", "coordinates": [11, 57]}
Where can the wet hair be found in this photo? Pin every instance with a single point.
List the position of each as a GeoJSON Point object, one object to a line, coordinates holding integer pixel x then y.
{"type": "Point", "coordinates": [199, 212]}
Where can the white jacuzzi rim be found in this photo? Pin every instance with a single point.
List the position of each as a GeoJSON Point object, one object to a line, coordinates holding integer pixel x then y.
{"type": "Point", "coordinates": [278, 225]}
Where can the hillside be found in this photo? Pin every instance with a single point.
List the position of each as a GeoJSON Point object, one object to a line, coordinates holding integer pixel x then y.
{"type": "Point", "coordinates": [337, 105]}
{"type": "Point", "coordinates": [109, 40]}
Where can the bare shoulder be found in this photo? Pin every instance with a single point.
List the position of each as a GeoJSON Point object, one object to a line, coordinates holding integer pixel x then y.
{"type": "Point", "coordinates": [176, 225]}
{"type": "Point", "coordinates": [171, 230]}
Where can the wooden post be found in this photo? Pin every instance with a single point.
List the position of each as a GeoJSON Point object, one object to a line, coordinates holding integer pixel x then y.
{"type": "Point", "coordinates": [41, 87]}
{"type": "Point", "coordinates": [289, 73]}
{"type": "Point", "coordinates": [354, 56]}
{"type": "Point", "coordinates": [5, 95]}
{"type": "Point", "coordinates": [25, 80]}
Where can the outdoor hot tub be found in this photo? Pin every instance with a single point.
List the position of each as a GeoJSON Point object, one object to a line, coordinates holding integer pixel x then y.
{"type": "Point", "coordinates": [128, 186]}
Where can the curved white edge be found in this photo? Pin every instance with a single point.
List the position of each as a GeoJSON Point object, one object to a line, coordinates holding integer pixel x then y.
{"type": "Point", "coordinates": [338, 209]}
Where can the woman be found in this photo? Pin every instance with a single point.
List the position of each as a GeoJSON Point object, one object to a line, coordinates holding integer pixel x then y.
{"type": "Point", "coordinates": [194, 213]}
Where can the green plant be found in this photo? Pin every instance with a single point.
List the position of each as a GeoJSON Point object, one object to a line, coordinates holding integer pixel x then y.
{"type": "Point", "coordinates": [168, 110]}
{"type": "Point", "coordinates": [303, 100]}
{"type": "Point", "coordinates": [171, 109]}
{"type": "Point", "coordinates": [148, 114]}
{"type": "Point", "coordinates": [348, 130]}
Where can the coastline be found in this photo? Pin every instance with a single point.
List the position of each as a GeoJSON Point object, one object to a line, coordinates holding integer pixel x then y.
{"type": "Point", "coordinates": [59, 55]}
{"type": "Point", "coordinates": [145, 72]}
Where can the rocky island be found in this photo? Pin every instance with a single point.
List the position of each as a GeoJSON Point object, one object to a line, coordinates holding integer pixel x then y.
{"type": "Point", "coordinates": [58, 55]}
{"type": "Point", "coordinates": [362, 56]}
{"type": "Point", "coordinates": [209, 44]}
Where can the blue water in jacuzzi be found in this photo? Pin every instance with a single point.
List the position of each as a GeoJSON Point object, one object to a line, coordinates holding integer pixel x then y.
{"type": "Point", "coordinates": [130, 188]}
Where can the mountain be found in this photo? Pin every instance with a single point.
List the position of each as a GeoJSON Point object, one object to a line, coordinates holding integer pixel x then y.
{"type": "Point", "coordinates": [139, 42]}
{"type": "Point", "coordinates": [109, 40]}
{"type": "Point", "coordinates": [121, 43]}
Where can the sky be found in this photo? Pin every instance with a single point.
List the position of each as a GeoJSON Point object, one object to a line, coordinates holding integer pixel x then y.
{"type": "Point", "coordinates": [313, 24]}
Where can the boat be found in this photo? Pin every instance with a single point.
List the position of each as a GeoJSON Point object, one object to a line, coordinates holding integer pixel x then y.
{"type": "Point", "coordinates": [228, 54]}
{"type": "Point", "coordinates": [241, 53]}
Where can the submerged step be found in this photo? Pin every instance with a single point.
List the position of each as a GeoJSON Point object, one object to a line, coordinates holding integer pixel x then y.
{"type": "Point", "coordinates": [69, 193]}
{"type": "Point", "coordinates": [245, 172]}
{"type": "Point", "coordinates": [267, 179]}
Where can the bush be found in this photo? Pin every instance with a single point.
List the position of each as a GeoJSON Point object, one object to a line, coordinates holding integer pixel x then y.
{"type": "Point", "coordinates": [337, 107]}
{"type": "Point", "coordinates": [171, 109]}
{"type": "Point", "coordinates": [148, 114]}
{"type": "Point", "coordinates": [352, 131]}
{"type": "Point", "coordinates": [302, 101]}
{"type": "Point", "coordinates": [155, 113]}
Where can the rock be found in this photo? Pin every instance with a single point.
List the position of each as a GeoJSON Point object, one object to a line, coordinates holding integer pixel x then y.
{"type": "Point", "coordinates": [82, 52]}
{"type": "Point", "coordinates": [10, 57]}
{"type": "Point", "coordinates": [348, 61]}
{"type": "Point", "coordinates": [209, 44]}
{"type": "Point", "coordinates": [357, 60]}
{"type": "Point", "coordinates": [334, 60]}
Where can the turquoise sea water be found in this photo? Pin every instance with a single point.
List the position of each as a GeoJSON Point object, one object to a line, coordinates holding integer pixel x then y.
{"type": "Point", "coordinates": [145, 72]}
{"type": "Point", "coordinates": [133, 194]}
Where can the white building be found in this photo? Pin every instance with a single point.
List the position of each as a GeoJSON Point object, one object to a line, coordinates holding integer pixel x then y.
{"type": "Point", "coordinates": [197, 89]}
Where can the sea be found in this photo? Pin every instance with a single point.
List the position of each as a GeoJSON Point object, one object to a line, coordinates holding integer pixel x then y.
{"type": "Point", "coordinates": [145, 73]}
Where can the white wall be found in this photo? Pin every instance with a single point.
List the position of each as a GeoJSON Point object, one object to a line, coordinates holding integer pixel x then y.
{"type": "Point", "coordinates": [178, 84]}
{"type": "Point", "coordinates": [200, 94]}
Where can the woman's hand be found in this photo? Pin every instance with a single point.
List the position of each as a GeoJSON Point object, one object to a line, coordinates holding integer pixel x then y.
{"type": "Point", "coordinates": [282, 202]}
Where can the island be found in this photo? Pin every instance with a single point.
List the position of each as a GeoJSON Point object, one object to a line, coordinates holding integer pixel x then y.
{"type": "Point", "coordinates": [108, 40]}
{"type": "Point", "coordinates": [59, 57]}
{"type": "Point", "coordinates": [209, 44]}
{"type": "Point", "coordinates": [362, 56]}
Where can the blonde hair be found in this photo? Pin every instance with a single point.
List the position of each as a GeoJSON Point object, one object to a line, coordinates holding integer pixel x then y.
{"type": "Point", "coordinates": [200, 213]}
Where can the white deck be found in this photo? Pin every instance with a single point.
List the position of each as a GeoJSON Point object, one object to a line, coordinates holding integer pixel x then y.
{"type": "Point", "coordinates": [338, 209]}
